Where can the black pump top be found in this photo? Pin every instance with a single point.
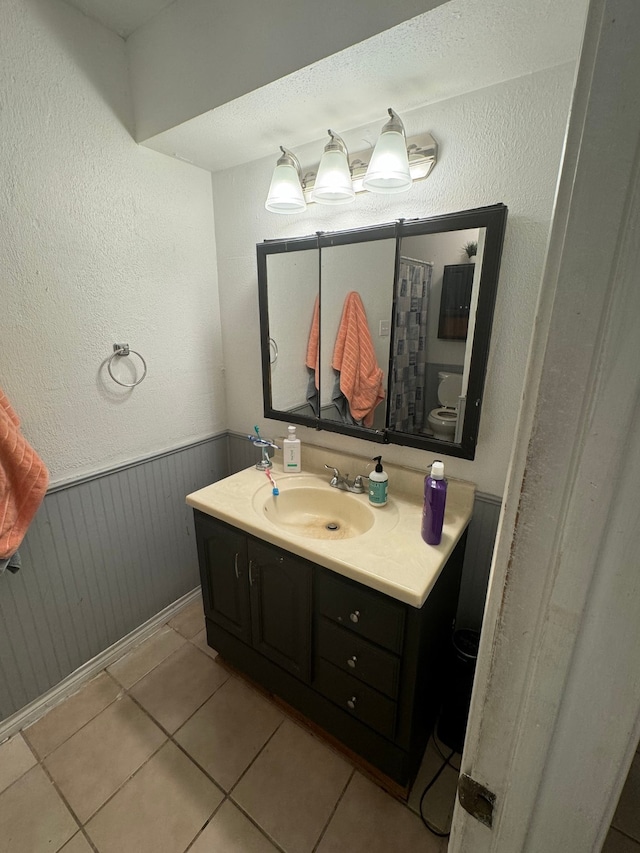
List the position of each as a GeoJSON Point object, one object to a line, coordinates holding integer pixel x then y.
{"type": "Point", "coordinates": [378, 464]}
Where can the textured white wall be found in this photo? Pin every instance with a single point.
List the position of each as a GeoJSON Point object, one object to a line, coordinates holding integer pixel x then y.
{"type": "Point", "coordinates": [291, 294]}
{"type": "Point", "coordinates": [103, 242]}
{"type": "Point", "coordinates": [501, 144]}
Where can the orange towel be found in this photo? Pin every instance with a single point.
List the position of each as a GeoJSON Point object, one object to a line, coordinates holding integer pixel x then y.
{"type": "Point", "coordinates": [23, 481]}
{"type": "Point", "coordinates": [355, 358]}
{"type": "Point", "coordinates": [313, 347]}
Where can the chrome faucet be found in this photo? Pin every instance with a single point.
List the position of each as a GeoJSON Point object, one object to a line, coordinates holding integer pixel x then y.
{"type": "Point", "coordinates": [340, 482]}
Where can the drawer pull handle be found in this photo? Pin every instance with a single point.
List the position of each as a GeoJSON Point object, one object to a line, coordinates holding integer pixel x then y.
{"type": "Point", "coordinates": [355, 616]}
{"type": "Point", "coordinates": [235, 566]}
{"type": "Point", "coordinates": [352, 661]}
{"type": "Point", "coordinates": [351, 703]}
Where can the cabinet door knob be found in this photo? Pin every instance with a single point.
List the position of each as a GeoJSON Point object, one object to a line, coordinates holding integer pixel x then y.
{"type": "Point", "coordinates": [351, 703]}
{"type": "Point", "coordinates": [355, 616]}
{"type": "Point", "coordinates": [352, 661]}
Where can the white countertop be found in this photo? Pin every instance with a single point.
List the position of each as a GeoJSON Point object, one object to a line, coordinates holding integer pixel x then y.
{"type": "Point", "coordinates": [390, 557]}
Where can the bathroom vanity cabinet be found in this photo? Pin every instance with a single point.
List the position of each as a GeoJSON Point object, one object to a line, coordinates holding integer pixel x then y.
{"type": "Point", "coordinates": [257, 593]}
{"type": "Point", "coordinates": [363, 666]}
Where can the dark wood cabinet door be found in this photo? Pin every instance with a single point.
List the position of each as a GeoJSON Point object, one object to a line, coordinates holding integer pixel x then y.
{"type": "Point", "coordinates": [280, 587]}
{"type": "Point", "coordinates": [455, 301]}
{"type": "Point", "coordinates": [222, 554]}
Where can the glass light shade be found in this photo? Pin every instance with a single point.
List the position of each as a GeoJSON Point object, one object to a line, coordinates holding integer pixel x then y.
{"type": "Point", "coordinates": [388, 171]}
{"type": "Point", "coordinates": [285, 192]}
{"type": "Point", "coordinates": [333, 183]}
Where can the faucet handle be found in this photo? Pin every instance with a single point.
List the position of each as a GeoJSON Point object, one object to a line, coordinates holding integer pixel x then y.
{"type": "Point", "coordinates": [336, 473]}
{"type": "Point", "coordinates": [358, 485]}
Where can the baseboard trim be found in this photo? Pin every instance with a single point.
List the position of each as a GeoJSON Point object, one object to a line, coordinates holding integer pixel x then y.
{"type": "Point", "coordinates": [36, 709]}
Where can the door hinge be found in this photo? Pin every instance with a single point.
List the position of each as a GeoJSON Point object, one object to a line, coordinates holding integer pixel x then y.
{"type": "Point", "coordinates": [476, 799]}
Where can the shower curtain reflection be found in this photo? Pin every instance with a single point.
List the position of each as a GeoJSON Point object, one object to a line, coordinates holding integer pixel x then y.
{"type": "Point", "coordinates": [409, 356]}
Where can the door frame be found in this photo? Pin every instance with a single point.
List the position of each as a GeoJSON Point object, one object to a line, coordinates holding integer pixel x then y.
{"type": "Point", "coordinates": [555, 714]}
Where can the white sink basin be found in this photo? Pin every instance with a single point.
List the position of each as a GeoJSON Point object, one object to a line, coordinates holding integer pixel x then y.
{"type": "Point", "coordinates": [315, 510]}
{"type": "Point", "coordinates": [378, 546]}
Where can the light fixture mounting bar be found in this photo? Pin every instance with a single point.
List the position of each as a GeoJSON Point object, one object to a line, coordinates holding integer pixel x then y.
{"type": "Point", "coordinates": [423, 156]}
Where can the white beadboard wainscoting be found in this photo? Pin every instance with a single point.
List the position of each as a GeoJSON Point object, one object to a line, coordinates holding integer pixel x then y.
{"type": "Point", "coordinates": [107, 553]}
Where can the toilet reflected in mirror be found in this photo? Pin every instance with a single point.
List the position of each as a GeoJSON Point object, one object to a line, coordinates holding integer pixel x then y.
{"type": "Point", "coordinates": [443, 419]}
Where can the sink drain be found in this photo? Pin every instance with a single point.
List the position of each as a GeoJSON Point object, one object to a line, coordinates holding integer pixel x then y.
{"type": "Point", "coordinates": [333, 525]}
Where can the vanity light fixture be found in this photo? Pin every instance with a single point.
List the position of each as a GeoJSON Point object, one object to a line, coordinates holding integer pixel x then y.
{"type": "Point", "coordinates": [285, 192]}
{"type": "Point", "coordinates": [388, 170]}
{"type": "Point", "coordinates": [333, 183]}
{"type": "Point", "coordinates": [396, 162]}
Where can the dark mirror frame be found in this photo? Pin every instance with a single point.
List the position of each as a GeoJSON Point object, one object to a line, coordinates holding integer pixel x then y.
{"type": "Point", "coordinates": [493, 219]}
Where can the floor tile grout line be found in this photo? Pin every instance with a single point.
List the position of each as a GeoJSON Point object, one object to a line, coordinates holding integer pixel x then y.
{"type": "Point", "coordinates": [333, 811]}
{"type": "Point", "coordinates": [626, 834]}
{"type": "Point", "coordinates": [25, 732]}
{"type": "Point", "coordinates": [22, 775]}
{"type": "Point", "coordinates": [205, 824]}
{"type": "Point", "coordinates": [226, 795]}
{"type": "Point", "coordinates": [171, 737]}
{"type": "Point", "coordinates": [87, 838]}
{"type": "Point", "coordinates": [155, 666]}
{"type": "Point", "coordinates": [199, 766]}
{"type": "Point", "coordinates": [160, 662]}
{"type": "Point", "coordinates": [121, 786]}
{"type": "Point", "coordinates": [111, 677]}
{"type": "Point", "coordinates": [200, 706]}
{"type": "Point", "coordinates": [67, 805]}
{"type": "Point", "coordinates": [260, 829]}
{"type": "Point", "coordinates": [255, 757]}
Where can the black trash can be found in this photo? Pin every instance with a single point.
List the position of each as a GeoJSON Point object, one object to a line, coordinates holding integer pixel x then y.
{"type": "Point", "coordinates": [452, 724]}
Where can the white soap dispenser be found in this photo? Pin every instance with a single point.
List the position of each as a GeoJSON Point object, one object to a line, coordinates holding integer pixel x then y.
{"type": "Point", "coordinates": [378, 480]}
{"type": "Point", "coordinates": [291, 452]}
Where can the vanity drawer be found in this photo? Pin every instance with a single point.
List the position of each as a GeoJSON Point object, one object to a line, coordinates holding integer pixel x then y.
{"type": "Point", "coordinates": [367, 705]}
{"type": "Point", "coordinates": [357, 657]}
{"type": "Point", "coordinates": [363, 611]}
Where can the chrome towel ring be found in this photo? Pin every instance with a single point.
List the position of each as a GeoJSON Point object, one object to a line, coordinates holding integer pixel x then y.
{"type": "Point", "coordinates": [122, 350]}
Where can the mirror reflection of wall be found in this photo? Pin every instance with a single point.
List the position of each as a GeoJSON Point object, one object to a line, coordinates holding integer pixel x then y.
{"type": "Point", "coordinates": [291, 292]}
{"type": "Point", "coordinates": [366, 269]}
{"type": "Point", "coordinates": [443, 356]}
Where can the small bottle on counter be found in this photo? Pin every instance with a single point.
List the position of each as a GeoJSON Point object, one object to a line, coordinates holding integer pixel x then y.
{"type": "Point", "coordinates": [435, 498]}
{"type": "Point", "coordinates": [291, 452]}
{"type": "Point", "coordinates": [378, 481]}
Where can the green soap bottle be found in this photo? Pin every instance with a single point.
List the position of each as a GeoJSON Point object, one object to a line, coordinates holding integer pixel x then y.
{"type": "Point", "coordinates": [378, 480]}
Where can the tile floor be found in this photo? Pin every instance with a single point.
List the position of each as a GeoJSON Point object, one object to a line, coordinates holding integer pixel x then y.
{"type": "Point", "coordinates": [167, 751]}
{"type": "Point", "coordinates": [624, 835]}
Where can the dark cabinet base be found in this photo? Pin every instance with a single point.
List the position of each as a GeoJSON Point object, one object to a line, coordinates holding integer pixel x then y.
{"type": "Point", "coordinates": [378, 751]}
{"type": "Point", "coordinates": [366, 668]}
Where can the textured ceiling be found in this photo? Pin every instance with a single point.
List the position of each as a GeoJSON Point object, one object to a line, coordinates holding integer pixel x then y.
{"type": "Point", "coordinates": [121, 16]}
{"type": "Point", "coordinates": [461, 46]}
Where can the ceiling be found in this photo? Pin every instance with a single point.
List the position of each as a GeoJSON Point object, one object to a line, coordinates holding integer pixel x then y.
{"type": "Point", "coordinates": [460, 46]}
{"type": "Point", "coordinates": [121, 16]}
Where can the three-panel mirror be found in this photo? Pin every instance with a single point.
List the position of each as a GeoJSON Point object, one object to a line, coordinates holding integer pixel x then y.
{"type": "Point", "coordinates": [383, 333]}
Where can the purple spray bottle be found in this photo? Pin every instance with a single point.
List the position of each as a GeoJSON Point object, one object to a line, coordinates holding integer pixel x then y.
{"type": "Point", "coordinates": [435, 498]}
